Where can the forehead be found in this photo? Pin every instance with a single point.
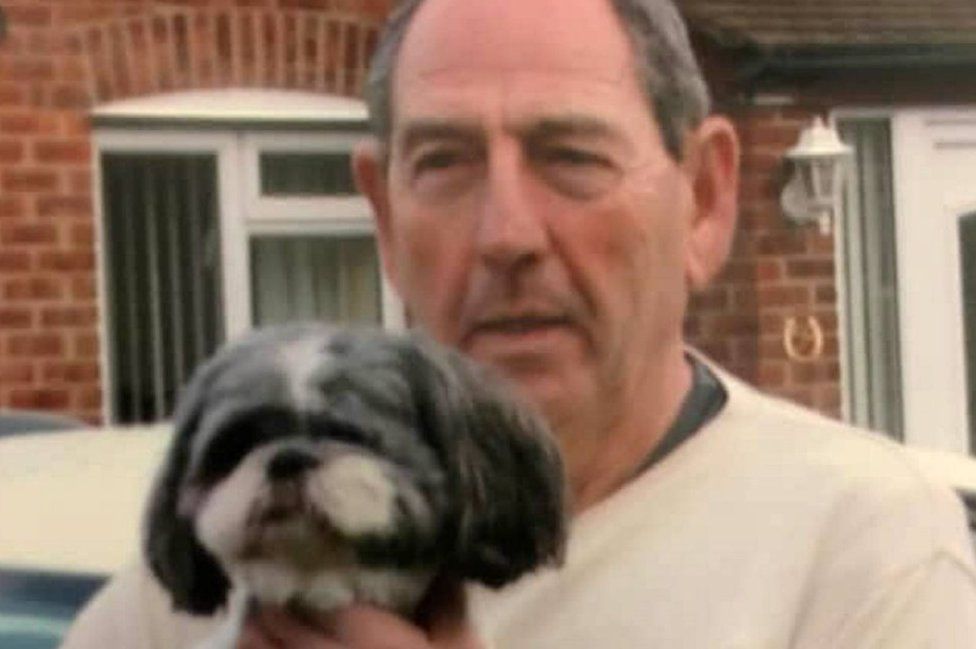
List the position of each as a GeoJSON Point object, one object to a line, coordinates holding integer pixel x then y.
{"type": "Point", "coordinates": [516, 56]}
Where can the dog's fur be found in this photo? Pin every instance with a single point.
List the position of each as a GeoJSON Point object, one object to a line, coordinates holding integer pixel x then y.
{"type": "Point", "coordinates": [313, 467]}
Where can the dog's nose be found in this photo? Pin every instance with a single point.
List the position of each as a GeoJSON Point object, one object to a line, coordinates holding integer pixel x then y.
{"type": "Point", "coordinates": [289, 463]}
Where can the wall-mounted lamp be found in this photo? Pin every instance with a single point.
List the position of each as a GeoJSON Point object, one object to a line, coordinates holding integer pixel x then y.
{"type": "Point", "coordinates": [813, 190]}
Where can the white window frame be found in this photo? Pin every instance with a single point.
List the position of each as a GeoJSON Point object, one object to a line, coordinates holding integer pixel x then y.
{"type": "Point", "coordinates": [242, 213]}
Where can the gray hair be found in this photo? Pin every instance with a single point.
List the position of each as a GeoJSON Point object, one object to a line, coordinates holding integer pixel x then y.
{"type": "Point", "coordinates": [666, 67]}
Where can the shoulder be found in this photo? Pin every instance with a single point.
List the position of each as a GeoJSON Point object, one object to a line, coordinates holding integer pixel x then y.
{"type": "Point", "coordinates": [861, 484]}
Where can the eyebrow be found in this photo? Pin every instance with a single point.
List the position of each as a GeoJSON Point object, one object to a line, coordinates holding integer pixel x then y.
{"type": "Point", "coordinates": [532, 130]}
{"type": "Point", "coordinates": [424, 130]}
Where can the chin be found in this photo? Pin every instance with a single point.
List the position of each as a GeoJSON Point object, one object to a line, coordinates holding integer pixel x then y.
{"type": "Point", "coordinates": [313, 468]}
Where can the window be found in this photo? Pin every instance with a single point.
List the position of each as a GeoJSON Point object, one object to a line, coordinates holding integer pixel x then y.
{"type": "Point", "coordinates": [868, 258]}
{"type": "Point", "coordinates": [967, 258]}
{"type": "Point", "coordinates": [209, 233]}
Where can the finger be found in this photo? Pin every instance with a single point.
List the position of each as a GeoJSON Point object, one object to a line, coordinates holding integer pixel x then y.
{"type": "Point", "coordinates": [278, 628]}
{"type": "Point", "coordinates": [365, 627]}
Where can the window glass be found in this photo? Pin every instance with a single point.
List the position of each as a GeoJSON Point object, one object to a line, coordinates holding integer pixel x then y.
{"type": "Point", "coordinates": [163, 274]}
{"type": "Point", "coordinates": [967, 248]}
{"type": "Point", "coordinates": [306, 174]}
{"type": "Point", "coordinates": [870, 274]}
{"type": "Point", "coordinates": [324, 278]}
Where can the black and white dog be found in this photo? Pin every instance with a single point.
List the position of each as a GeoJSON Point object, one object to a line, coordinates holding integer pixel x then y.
{"type": "Point", "coordinates": [312, 467]}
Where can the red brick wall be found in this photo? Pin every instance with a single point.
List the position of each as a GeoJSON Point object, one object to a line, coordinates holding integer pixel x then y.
{"type": "Point", "coordinates": [778, 273]}
{"type": "Point", "coordinates": [61, 57]}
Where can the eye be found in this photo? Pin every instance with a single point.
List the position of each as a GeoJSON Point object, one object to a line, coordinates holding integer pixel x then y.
{"type": "Point", "coordinates": [573, 156]}
{"type": "Point", "coordinates": [239, 437]}
{"type": "Point", "coordinates": [575, 171]}
{"type": "Point", "coordinates": [437, 159]}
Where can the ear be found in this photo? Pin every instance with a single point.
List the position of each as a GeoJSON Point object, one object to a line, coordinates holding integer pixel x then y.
{"type": "Point", "coordinates": [712, 161]}
{"type": "Point", "coordinates": [504, 467]}
{"type": "Point", "coordinates": [183, 566]}
{"type": "Point", "coordinates": [369, 167]}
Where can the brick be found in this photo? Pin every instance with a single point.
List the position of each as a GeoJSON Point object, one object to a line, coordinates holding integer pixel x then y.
{"type": "Point", "coordinates": [28, 180]}
{"type": "Point", "coordinates": [75, 124]}
{"type": "Point", "coordinates": [66, 260]}
{"type": "Point", "coordinates": [81, 235]}
{"type": "Point", "coordinates": [76, 12]}
{"type": "Point", "coordinates": [70, 95]}
{"type": "Point", "coordinates": [28, 15]}
{"type": "Point", "coordinates": [80, 181]}
{"type": "Point", "coordinates": [64, 205]}
{"type": "Point", "coordinates": [12, 372]}
{"type": "Point", "coordinates": [12, 94]}
{"type": "Point", "coordinates": [11, 152]}
{"type": "Point", "coordinates": [826, 294]}
{"type": "Point", "coordinates": [780, 243]}
{"type": "Point", "coordinates": [733, 324]}
{"type": "Point", "coordinates": [12, 261]}
{"type": "Point", "coordinates": [70, 372]}
{"type": "Point", "coordinates": [91, 399]}
{"type": "Point", "coordinates": [783, 295]}
{"type": "Point", "coordinates": [769, 270]}
{"type": "Point", "coordinates": [19, 232]}
{"type": "Point", "coordinates": [69, 316]}
{"type": "Point", "coordinates": [39, 398]}
{"type": "Point", "coordinates": [29, 69]}
{"type": "Point", "coordinates": [27, 123]}
{"type": "Point", "coordinates": [31, 289]}
{"type": "Point", "coordinates": [771, 375]}
{"type": "Point", "coordinates": [76, 151]}
{"type": "Point", "coordinates": [83, 286]}
{"type": "Point", "coordinates": [35, 345]}
{"type": "Point", "coordinates": [86, 345]}
{"type": "Point", "coordinates": [809, 268]}
{"type": "Point", "coordinates": [12, 207]}
{"type": "Point", "coordinates": [15, 318]}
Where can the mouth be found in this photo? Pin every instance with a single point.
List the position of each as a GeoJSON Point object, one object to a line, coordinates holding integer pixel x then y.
{"type": "Point", "coordinates": [286, 502]}
{"type": "Point", "coordinates": [517, 325]}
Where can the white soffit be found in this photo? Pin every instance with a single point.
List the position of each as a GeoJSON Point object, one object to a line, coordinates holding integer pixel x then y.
{"type": "Point", "coordinates": [236, 105]}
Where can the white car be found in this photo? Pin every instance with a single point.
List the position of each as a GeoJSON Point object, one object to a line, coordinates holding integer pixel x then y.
{"type": "Point", "coordinates": [70, 513]}
{"type": "Point", "coordinates": [71, 510]}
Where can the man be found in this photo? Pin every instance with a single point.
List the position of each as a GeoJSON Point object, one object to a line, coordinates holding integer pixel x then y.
{"type": "Point", "coordinates": [548, 189]}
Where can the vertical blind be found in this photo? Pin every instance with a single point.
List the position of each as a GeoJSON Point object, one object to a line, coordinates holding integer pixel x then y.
{"type": "Point", "coordinates": [163, 276]}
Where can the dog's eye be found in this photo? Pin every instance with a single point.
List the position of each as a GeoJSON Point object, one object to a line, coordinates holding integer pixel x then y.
{"type": "Point", "coordinates": [236, 439]}
{"type": "Point", "coordinates": [226, 452]}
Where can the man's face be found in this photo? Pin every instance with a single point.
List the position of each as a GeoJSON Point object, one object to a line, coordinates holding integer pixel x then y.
{"type": "Point", "coordinates": [533, 218]}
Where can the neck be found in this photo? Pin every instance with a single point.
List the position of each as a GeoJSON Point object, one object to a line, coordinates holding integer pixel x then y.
{"type": "Point", "coordinates": [603, 458]}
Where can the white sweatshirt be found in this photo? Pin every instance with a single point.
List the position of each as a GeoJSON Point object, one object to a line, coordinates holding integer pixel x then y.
{"type": "Point", "coordinates": [770, 528]}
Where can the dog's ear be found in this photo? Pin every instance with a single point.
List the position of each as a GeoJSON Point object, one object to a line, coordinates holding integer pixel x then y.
{"type": "Point", "coordinates": [183, 566]}
{"type": "Point", "coordinates": [504, 468]}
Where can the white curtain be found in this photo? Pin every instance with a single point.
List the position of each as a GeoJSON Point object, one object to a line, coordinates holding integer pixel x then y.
{"type": "Point", "coordinates": [323, 278]}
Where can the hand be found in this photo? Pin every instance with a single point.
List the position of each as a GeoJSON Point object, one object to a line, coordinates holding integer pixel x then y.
{"type": "Point", "coordinates": [443, 625]}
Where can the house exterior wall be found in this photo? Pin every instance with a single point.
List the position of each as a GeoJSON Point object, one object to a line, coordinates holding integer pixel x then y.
{"type": "Point", "coordinates": [60, 58]}
{"type": "Point", "coordinates": [780, 272]}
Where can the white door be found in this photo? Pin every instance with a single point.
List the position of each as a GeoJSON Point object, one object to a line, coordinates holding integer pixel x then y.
{"type": "Point", "coordinates": [935, 202]}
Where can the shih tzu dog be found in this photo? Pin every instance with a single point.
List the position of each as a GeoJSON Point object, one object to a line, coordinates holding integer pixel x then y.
{"type": "Point", "coordinates": [314, 467]}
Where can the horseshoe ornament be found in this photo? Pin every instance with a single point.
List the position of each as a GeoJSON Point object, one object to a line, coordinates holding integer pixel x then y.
{"type": "Point", "coordinates": [803, 338]}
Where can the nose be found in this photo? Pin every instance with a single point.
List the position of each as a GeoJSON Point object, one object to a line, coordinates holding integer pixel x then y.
{"type": "Point", "coordinates": [289, 463]}
{"type": "Point", "coordinates": [511, 232]}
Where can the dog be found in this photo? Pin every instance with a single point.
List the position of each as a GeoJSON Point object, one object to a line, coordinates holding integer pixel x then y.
{"type": "Point", "coordinates": [313, 467]}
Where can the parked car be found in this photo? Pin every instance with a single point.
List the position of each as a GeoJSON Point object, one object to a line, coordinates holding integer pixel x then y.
{"type": "Point", "coordinates": [70, 506]}
{"type": "Point", "coordinates": [70, 511]}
